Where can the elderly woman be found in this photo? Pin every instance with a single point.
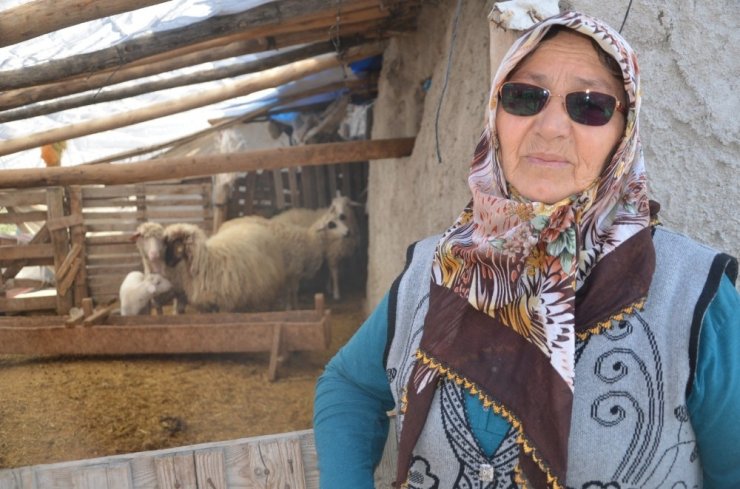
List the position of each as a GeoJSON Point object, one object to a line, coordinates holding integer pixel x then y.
{"type": "Point", "coordinates": [553, 335]}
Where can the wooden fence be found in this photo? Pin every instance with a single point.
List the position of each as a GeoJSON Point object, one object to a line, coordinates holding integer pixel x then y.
{"type": "Point", "coordinates": [270, 462]}
{"type": "Point", "coordinates": [84, 232]}
{"type": "Point", "coordinates": [111, 215]}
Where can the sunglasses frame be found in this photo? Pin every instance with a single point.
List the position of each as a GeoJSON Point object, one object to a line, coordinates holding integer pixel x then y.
{"type": "Point", "coordinates": [618, 106]}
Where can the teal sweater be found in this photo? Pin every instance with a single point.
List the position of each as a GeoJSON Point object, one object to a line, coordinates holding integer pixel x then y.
{"type": "Point", "coordinates": [353, 396]}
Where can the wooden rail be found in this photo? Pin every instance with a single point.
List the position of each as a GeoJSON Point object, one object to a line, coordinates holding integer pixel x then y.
{"type": "Point", "coordinates": [276, 332]}
{"type": "Point", "coordinates": [286, 460]}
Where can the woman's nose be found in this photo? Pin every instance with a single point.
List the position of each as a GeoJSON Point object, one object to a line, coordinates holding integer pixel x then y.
{"type": "Point", "coordinates": [553, 120]}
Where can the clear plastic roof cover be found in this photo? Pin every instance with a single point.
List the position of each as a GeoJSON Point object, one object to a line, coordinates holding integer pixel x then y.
{"type": "Point", "coordinates": [98, 34]}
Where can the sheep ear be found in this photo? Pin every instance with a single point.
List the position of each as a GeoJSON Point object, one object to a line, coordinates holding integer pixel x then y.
{"type": "Point", "coordinates": [134, 237]}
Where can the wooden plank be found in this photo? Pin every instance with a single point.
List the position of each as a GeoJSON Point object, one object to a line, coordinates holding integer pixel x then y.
{"type": "Point", "coordinates": [15, 217]}
{"type": "Point", "coordinates": [152, 339]}
{"type": "Point", "coordinates": [295, 197]}
{"type": "Point", "coordinates": [28, 304]}
{"type": "Point", "coordinates": [94, 193]}
{"type": "Point", "coordinates": [346, 169]}
{"type": "Point", "coordinates": [111, 249]}
{"type": "Point", "coordinates": [331, 176]}
{"type": "Point", "coordinates": [200, 98]}
{"type": "Point", "coordinates": [42, 236]}
{"type": "Point", "coordinates": [67, 263]}
{"type": "Point", "coordinates": [64, 222]}
{"type": "Point", "coordinates": [65, 282]}
{"type": "Point", "coordinates": [277, 179]}
{"type": "Point", "coordinates": [267, 465]}
{"type": "Point", "coordinates": [18, 199]}
{"type": "Point", "coordinates": [210, 469]}
{"type": "Point", "coordinates": [23, 252]}
{"type": "Point", "coordinates": [277, 350]}
{"type": "Point", "coordinates": [132, 260]}
{"type": "Point", "coordinates": [119, 476]}
{"type": "Point", "coordinates": [308, 184]}
{"type": "Point", "coordinates": [77, 236]}
{"type": "Point", "coordinates": [176, 471]}
{"type": "Point", "coordinates": [21, 478]}
{"type": "Point", "coordinates": [59, 241]}
{"type": "Point", "coordinates": [114, 238]}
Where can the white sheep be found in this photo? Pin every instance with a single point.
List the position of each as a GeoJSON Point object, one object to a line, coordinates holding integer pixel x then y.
{"type": "Point", "coordinates": [137, 290]}
{"type": "Point", "coordinates": [344, 236]}
{"type": "Point", "coordinates": [238, 268]}
{"type": "Point", "coordinates": [303, 248]}
{"type": "Point", "coordinates": [149, 239]}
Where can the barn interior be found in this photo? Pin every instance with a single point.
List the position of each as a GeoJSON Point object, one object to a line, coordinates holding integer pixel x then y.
{"type": "Point", "coordinates": [173, 112]}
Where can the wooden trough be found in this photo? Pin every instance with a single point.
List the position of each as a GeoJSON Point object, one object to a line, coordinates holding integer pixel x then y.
{"type": "Point", "coordinates": [276, 332]}
{"type": "Point", "coordinates": [282, 461]}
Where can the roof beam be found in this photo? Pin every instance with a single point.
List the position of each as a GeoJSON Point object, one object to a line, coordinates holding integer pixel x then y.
{"type": "Point", "coordinates": [39, 93]}
{"type": "Point", "coordinates": [41, 17]}
{"type": "Point", "coordinates": [233, 70]}
{"type": "Point", "coordinates": [253, 83]}
{"type": "Point", "coordinates": [261, 20]}
{"type": "Point", "coordinates": [183, 167]}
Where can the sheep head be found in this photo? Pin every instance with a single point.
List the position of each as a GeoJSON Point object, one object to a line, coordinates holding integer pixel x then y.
{"type": "Point", "coordinates": [183, 242]}
{"type": "Point", "coordinates": [149, 238]}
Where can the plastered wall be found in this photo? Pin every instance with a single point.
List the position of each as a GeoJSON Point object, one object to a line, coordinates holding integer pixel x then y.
{"type": "Point", "coordinates": [689, 121]}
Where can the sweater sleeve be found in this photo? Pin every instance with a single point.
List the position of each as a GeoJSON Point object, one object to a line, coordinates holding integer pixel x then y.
{"type": "Point", "coordinates": [350, 405]}
{"type": "Point", "coordinates": [714, 402]}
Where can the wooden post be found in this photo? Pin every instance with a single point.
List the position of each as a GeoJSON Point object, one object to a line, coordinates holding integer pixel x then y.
{"type": "Point", "coordinates": [277, 352]}
{"type": "Point", "coordinates": [320, 174]}
{"type": "Point", "coordinates": [293, 186]}
{"type": "Point", "coordinates": [60, 243]}
{"type": "Point", "coordinates": [277, 180]}
{"type": "Point", "coordinates": [78, 238]}
{"type": "Point", "coordinates": [331, 172]}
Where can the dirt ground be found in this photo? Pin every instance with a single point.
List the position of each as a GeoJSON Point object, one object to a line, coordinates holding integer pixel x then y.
{"type": "Point", "coordinates": [55, 409]}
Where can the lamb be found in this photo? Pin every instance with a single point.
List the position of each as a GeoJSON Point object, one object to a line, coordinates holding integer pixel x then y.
{"type": "Point", "coordinates": [238, 268]}
{"type": "Point", "coordinates": [137, 290]}
{"type": "Point", "coordinates": [341, 242]}
{"type": "Point", "coordinates": [149, 239]}
{"type": "Point", "coordinates": [303, 248]}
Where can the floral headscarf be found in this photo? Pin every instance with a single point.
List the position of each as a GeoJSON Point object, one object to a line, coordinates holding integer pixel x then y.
{"type": "Point", "coordinates": [515, 282]}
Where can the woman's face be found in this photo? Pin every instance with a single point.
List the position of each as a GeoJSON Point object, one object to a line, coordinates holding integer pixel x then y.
{"type": "Point", "coordinates": [548, 157]}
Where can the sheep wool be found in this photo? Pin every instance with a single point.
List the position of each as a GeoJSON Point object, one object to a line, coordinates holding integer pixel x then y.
{"type": "Point", "coordinates": [239, 268]}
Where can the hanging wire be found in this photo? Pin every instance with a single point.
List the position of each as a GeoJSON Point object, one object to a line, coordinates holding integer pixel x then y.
{"type": "Point", "coordinates": [447, 77]}
{"type": "Point", "coordinates": [334, 36]}
{"type": "Point", "coordinates": [629, 6]}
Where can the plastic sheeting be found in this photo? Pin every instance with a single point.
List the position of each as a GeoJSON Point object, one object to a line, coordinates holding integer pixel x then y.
{"type": "Point", "coordinates": [98, 34]}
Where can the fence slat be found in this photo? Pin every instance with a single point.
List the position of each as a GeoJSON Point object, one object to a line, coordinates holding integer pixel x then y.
{"type": "Point", "coordinates": [176, 471]}
{"type": "Point", "coordinates": [210, 469]}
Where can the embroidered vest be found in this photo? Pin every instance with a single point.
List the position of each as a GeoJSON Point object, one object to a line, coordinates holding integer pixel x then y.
{"type": "Point", "coordinates": [629, 427]}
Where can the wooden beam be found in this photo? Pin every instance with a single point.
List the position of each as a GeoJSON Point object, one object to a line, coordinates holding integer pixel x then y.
{"type": "Point", "coordinates": [40, 17]}
{"type": "Point", "coordinates": [182, 167]}
{"type": "Point", "coordinates": [230, 71]}
{"type": "Point", "coordinates": [267, 16]}
{"type": "Point", "coordinates": [223, 124]}
{"type": "Point", "coordinates": [24, 96]}
{"type": "Point", "coordinates": [253, 83]}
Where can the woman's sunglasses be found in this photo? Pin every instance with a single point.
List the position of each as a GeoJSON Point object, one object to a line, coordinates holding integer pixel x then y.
{"type": "Point", "coordinates": [589, 108]}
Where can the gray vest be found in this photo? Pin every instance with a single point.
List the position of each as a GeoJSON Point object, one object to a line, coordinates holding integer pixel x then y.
{"type": "Point", "coordinates": [629, 427]}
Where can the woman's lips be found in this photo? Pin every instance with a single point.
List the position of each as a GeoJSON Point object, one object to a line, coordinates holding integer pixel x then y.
{"type": "Point", "coordinates": [547, 160]}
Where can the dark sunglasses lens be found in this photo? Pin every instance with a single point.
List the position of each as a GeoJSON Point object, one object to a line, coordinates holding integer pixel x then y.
{"type": "Point", "coordinates": [523, 99]}
{"type": "Point", "coordinates": [590, 108]}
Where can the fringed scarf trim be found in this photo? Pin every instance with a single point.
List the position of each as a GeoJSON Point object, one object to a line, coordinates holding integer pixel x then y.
{"type": "Point", "coordinates": [499, 408]}
{"type": "Point", "coordinates": [607, 324]}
